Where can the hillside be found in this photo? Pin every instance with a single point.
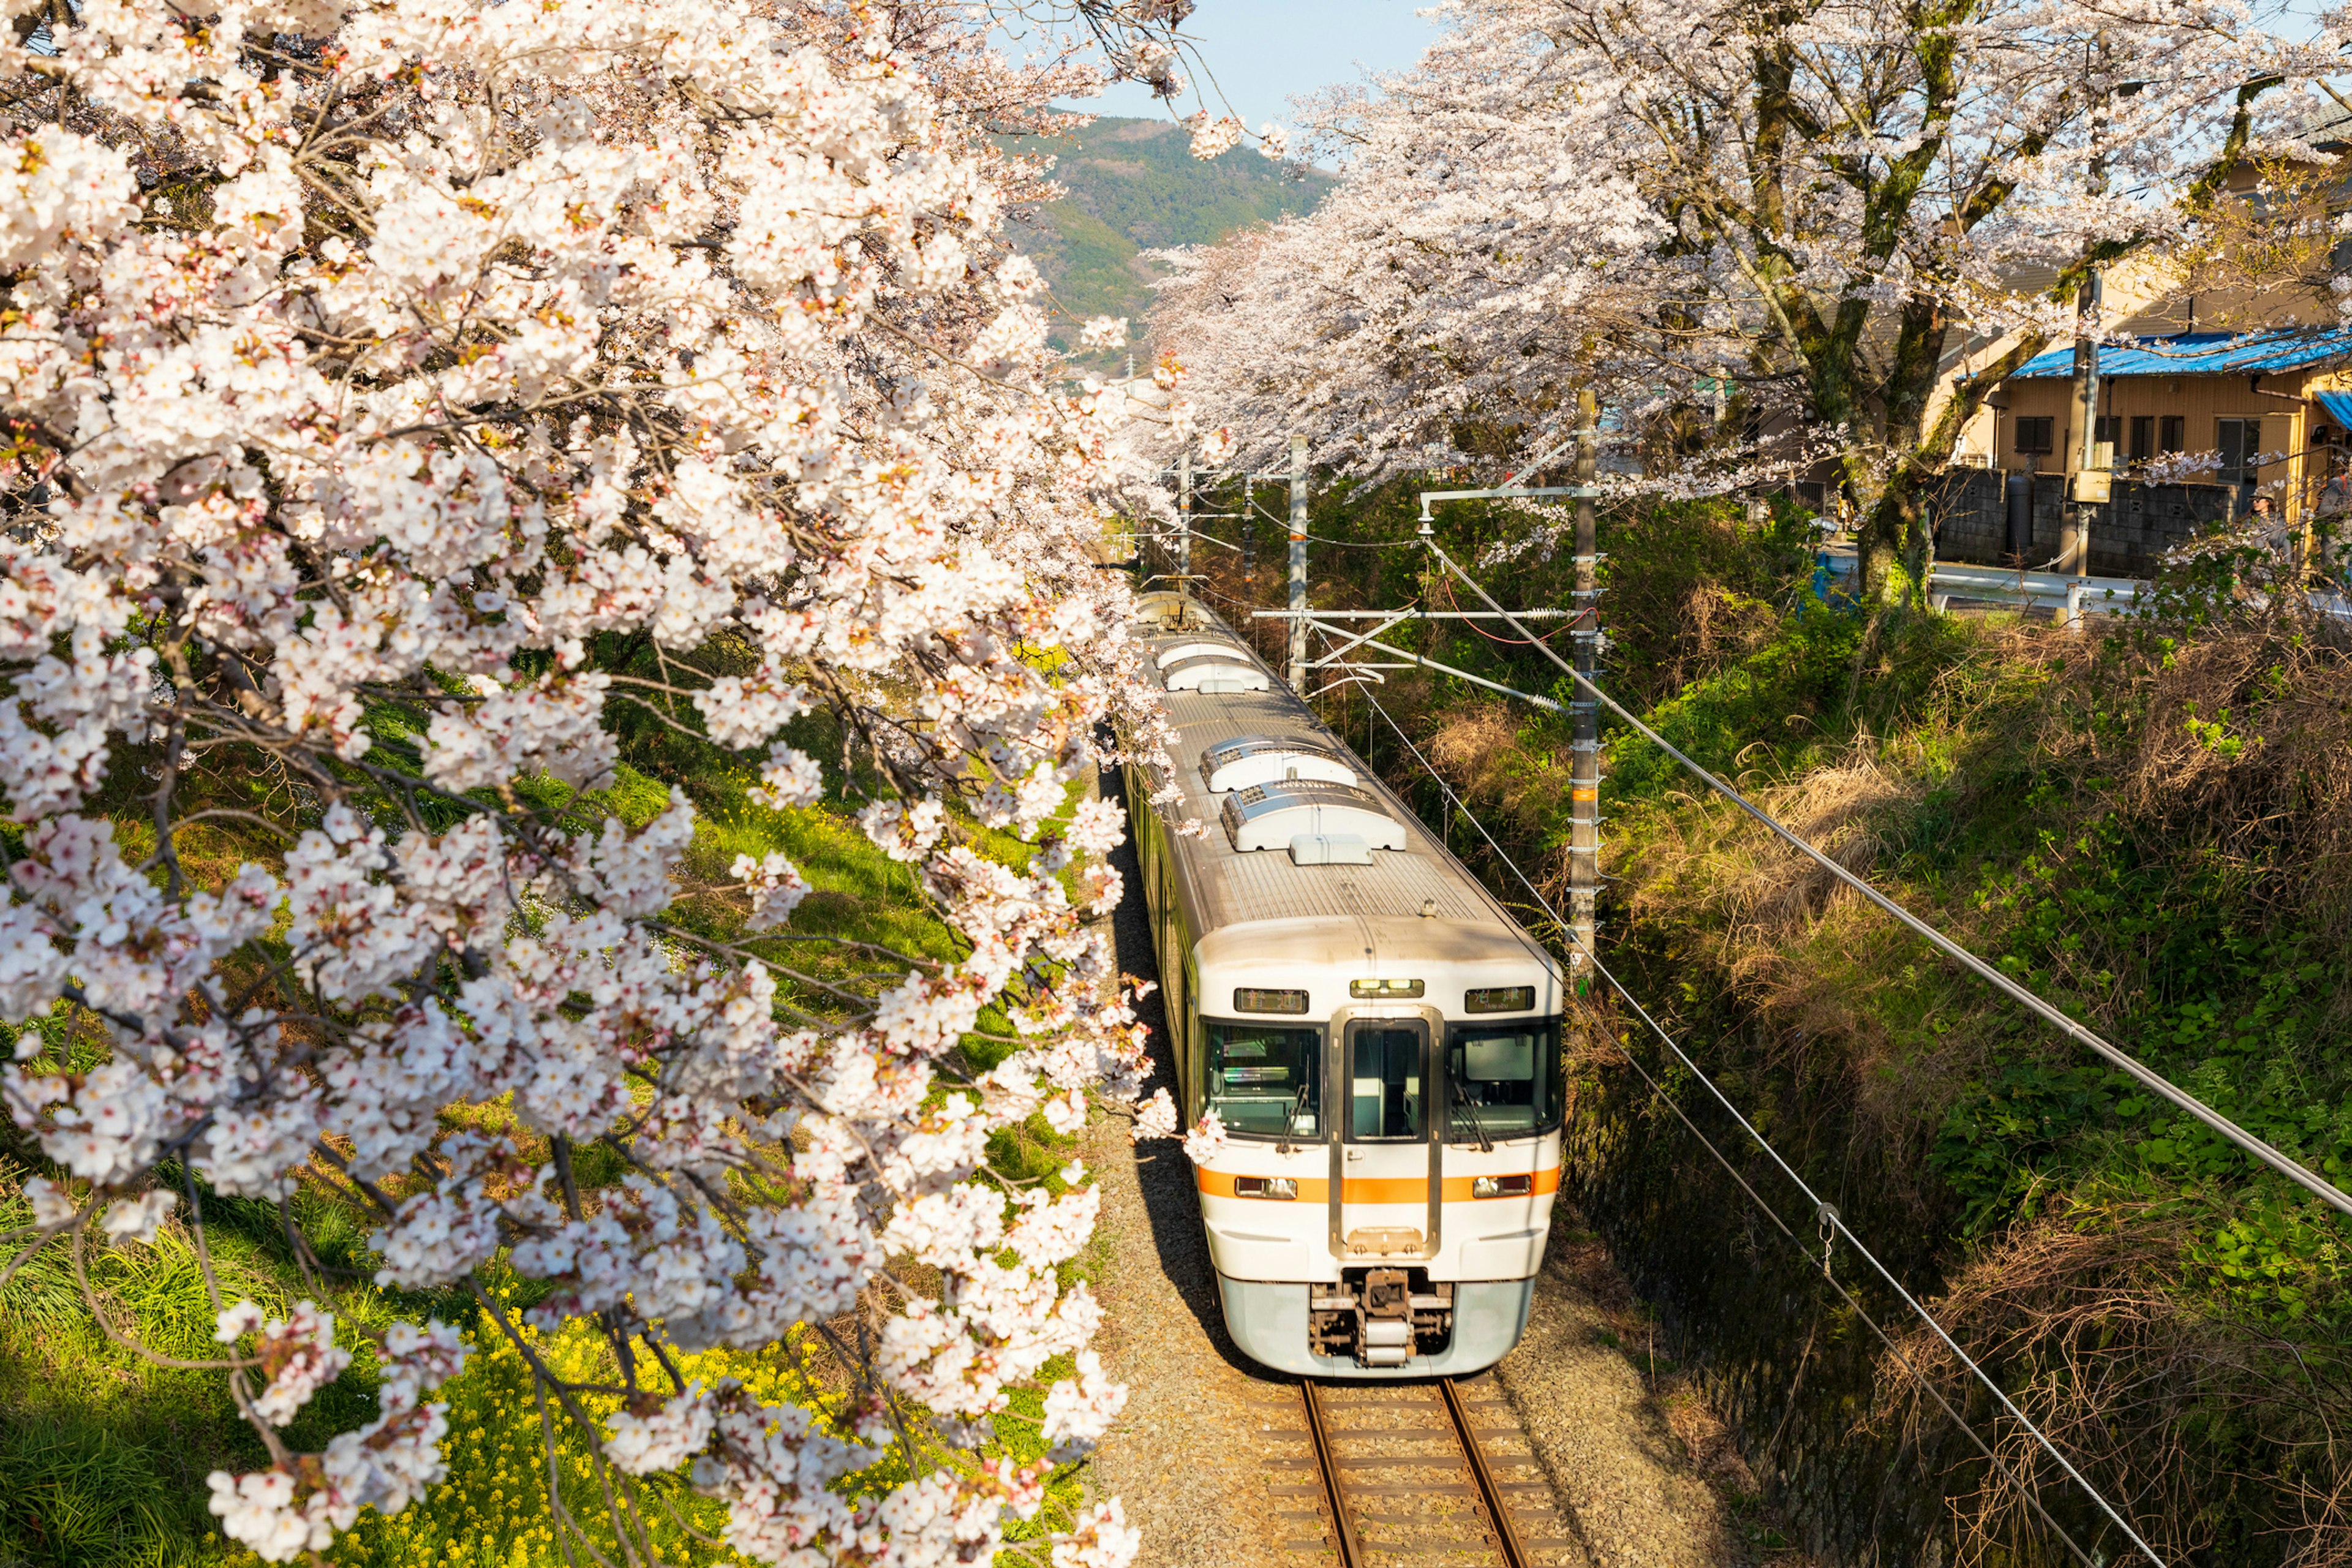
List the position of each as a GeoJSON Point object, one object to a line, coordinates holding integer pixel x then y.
{"type": "Point", "coordinates": [1133, 185]}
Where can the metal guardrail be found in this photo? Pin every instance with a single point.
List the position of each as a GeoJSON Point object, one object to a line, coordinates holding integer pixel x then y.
{"type": "Point", "coordinates": [2054, 590]}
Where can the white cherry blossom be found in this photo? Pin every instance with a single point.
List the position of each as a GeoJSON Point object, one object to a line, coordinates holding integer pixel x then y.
{"type": "Point", "coordinates": [1774, 233]}
{"type": "Point", "coordinates": [529, 377]}
{"type": "Point", "coordinates": [1156, 1117]}
{"type": "Point", "coordinates": [133, 1219]}
{"type": "Point", "coordinates": [1207, 1140]}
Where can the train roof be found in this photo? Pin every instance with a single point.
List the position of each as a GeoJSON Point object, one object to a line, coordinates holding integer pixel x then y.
{"type": "Point", "coordinates": [1390, 890]}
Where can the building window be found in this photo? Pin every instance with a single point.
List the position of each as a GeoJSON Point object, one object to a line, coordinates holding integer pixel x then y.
{"type": "Point", "coordinates": [2240, 441]}
{"type": "Point", "coordinates": [2108, 430]}
{"type": "Point", "coordinates": [2033, 435]}
{"type": "Point", "coordinates": [2142, 437]}
{"type": "Point", "coordinates": [2172, 434]}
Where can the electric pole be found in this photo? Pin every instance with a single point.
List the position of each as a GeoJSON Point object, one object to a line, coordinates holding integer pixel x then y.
{"type": "Point", "coordinates": [1297, 671]}
{"type": "Point", "coordinates": [2089, 482]}
{"type": "Point", "coordinates": [1584, 634]}
{"type": "Point", "coordinates": [1184, 523]}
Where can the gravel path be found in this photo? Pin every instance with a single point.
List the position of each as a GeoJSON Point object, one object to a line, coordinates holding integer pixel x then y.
{"type": "Point", "coordinates": [1638, 1474]}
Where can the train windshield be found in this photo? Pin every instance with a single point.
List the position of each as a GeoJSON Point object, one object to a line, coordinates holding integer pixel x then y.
{"type": "Point", "coordinates": [1263, 1079]}
{"type": "Point", "coordinates": [1502, 1080]}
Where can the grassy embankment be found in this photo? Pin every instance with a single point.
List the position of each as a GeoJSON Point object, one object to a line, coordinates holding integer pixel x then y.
{"type": "Point", "coordinates": [103, 1456]}
{"type": "Point", "coordinates": [2148, 825]}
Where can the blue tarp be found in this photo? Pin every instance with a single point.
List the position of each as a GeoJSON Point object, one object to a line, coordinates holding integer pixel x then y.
{"type": "Point", "coordinates": [2207, 354]}
{"type": "Point", "coordinates": [2338, 403]}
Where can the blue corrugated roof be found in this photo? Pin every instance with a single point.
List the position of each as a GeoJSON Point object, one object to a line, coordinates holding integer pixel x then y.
{"type": "Point", "coordinates": [2207, 354]}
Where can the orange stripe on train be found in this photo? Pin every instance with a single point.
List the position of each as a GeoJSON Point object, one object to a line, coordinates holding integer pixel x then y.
{"type": "Point", "coordinates": [1375, 1189]}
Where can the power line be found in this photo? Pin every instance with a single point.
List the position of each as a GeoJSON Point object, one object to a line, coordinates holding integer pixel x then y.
{"type": "Point", "coordinates": [1284, 524]}
{"type": "Point", "coordinates": [2147, 1077]}
{"type": "Point", "coordinates": [1507, 642]}
{"type": "Point", "coordinates": [1829, 1218]}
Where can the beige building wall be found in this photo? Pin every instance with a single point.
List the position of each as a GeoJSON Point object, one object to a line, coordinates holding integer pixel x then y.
{"type": "Point", "coordinates": [2281, 402]}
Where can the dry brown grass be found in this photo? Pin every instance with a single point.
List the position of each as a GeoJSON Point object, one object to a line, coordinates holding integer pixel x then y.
{"type": "Point", "coordinates": [2242, 748]}
{"type": "Point", "coordinates": [1843, 811]}
{"type": "Point", "coordinates": [1762, 916]}
{"type": "Point", "coordinates": [2088, 1331]}
{"type": "Point", "coordinates": [1704, 1437]}
{"type": "Point", "coordinates": [1480, 751]}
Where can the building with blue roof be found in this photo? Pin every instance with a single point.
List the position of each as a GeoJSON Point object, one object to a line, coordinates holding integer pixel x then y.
{"type": "Point", "coordinates": [2259, 403]}
{"type": "Point", "coordinates": [2266, 410]}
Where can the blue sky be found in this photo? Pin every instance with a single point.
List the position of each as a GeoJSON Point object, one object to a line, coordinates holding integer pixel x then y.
{"type": "Point", "coordinates": [1261, 51]}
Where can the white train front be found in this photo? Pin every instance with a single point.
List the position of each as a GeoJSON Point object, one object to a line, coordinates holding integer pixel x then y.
{"type": "Point", "coordinates": [1379, 1037]}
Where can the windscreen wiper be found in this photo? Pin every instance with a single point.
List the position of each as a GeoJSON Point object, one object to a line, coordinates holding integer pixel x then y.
{"type": "Point", "coordinates": [1486, 1144]}
{"type": "Point", "coordinates": [1290, 1121]}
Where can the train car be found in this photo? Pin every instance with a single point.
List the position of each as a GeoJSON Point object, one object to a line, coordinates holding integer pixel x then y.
{"type": "Point", "coordinates": [1379, 1037]}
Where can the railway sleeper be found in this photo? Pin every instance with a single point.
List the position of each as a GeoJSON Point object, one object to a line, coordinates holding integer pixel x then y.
{"type": "Point", "coordinates": [1381, 1317]}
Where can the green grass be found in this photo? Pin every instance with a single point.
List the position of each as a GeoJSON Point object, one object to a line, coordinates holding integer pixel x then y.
{"type": "Point", "coordinates": [103, 1455]}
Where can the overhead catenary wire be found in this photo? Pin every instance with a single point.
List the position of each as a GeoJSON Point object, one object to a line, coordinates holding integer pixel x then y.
{"type": "Point", "coordinates": [1284, 524]}
{"type": "Point", "coordinates": [1508, 642]}
{"type": "Point", "coordinates": [1829, 1217]}
{"type": "Point", "coordinates": [2114, 1056]}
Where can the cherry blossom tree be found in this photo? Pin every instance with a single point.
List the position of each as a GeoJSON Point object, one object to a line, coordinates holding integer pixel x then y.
{"type": "Point", "coordinates": [1806, 208]}
{"type": "Point", "coordinates": [397, 394]}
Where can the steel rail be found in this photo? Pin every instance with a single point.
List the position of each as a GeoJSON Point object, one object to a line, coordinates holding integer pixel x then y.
{"type": "Point", "coordinates": [1507, 1534]}
{"type": "Point", "coordinates": [2114, 1056]}
{"type": "Point", "coordinates": [1343, 1526]}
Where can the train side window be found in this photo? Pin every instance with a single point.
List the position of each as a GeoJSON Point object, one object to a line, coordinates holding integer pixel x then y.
{"type": "Point", "coordinates": [1502, 1080]}
{"type": "Point", "coordinates": [1263, 1079]}
{"type": "Point", "coordinates": [1384, 1083]}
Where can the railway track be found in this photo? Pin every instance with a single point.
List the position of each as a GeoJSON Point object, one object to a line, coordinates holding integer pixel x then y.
{"type": "Point", "coordinates": [1412, 1475]}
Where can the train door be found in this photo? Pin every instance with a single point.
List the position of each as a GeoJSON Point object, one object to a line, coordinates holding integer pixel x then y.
{"type": "Point", "coordinates": [1384, 1160]}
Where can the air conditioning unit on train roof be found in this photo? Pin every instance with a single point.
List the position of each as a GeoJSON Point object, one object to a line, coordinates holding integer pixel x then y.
{"type": "Point", "coordinates": [1192, 647]}
{"type": "Point", "coordinates": [1214, 672]}
{"type": "Point", "coordinates": [1247, 760]}
{"type": "Point", "coordinates": [1270, 815]}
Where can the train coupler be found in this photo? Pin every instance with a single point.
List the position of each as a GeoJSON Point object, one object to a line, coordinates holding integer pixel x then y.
{"type": "Point", "coordinates": [1381, 1317]}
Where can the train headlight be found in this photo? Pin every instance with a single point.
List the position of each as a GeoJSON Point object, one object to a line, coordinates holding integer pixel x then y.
{"type": "Point", "coordinates": [1387, 990]}
{"type": "Point", "coordinates": [1265, 1187]}
{"type": "Point", "coordinates": [1501, 1186]}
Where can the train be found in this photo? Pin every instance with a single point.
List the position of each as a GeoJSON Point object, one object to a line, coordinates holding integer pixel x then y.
{"type": "Point", "coordinates": [1378, 1036]}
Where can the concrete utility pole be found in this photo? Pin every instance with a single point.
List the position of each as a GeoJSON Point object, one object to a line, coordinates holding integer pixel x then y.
{"type": "Point", "coordinates": [1184, 523]}
{"type": "Point", "coordinates": [2089, 481]}
{"type": "Point", "coordinates": [1297, 674]}
{"type": "Point", "coordinates": [1584, 773]}
{"type": "Point", "coordinates": [1248, 515]}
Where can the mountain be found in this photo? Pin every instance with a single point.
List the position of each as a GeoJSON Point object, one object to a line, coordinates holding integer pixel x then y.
{"type": "Point", "coordinates": [1135, 185]}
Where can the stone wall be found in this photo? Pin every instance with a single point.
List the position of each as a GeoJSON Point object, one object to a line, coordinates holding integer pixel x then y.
{"type": "Point", "coordinates": [1978, 512]}
{"type": "Point", "coordinates": [1864, 1470]}
{"type": "Point", "coordinates": [1740, 1309]}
